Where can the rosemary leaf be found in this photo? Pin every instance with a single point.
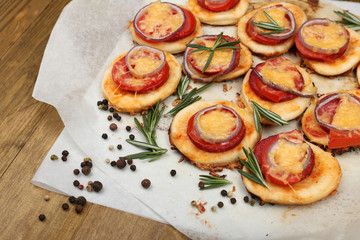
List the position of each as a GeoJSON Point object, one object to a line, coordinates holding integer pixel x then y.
{"type": "Point", "coordinates": [145, 145]}
{"type": "Point", "coordinates": [182, 87]}
{"type": "Point", "coordinates": [213, 182]}
{"type": "Point", "coordinates": [272, 25]}
{"type": "Point", "coordinates": [349, 20]}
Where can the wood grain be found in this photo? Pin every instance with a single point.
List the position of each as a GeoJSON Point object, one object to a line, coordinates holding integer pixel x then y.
{"type": "Point", "coordinates": [29, 128]}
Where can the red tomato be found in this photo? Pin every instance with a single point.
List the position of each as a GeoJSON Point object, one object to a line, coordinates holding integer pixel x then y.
{"type": "Point", "coordinates": [213, 147]}
{"type": "Point", "coordinates": [264, 91]}
{"type": "Point", "coordinates": [342, 139]}
{"type": "Point", "coordinates": [126, 81]}
{"type": "Point", "coordinates": [315, 55]}
{"type": "Point", "coordinates": [187, 29]}
{"type": "Point", "coordinates": [261, 38]}
{"type": "Point", "coordinates": [213, 70]}
{"type": "Point", "coordinates": [218, 5]}
{"type": "Point", "coordinates": [269, 170]}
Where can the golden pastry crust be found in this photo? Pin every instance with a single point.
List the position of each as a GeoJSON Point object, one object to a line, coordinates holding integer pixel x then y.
{"type": "Point", "coordinates": [346, 62]}
{"type": "Point", "coordinates": [171, 47]}
{"type": "Point", "coordinates": [358, 73]}
{"type": "Point", "coordinates": [245, 62]}
{"type": "Point", "coordinates": [270, 50]}
{"type": "Point", "coordinates": [323, 181]}
{"type": "Point", "coordinates": [287, 110]}
{"type": "Point", "coordinates": [229, 17]}
{"type": "Point", "coordinates": [207, 160]}
{"type": "Point", "coordinates": [310, 126]}
{"type": "Point", "coordinates": [130, 102]}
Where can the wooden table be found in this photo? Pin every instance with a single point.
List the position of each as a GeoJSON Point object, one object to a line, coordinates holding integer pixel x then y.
{"type": "Point", "coordinates": [29, 128]}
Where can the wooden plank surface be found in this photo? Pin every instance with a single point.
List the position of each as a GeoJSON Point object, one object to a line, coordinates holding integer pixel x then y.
{"type": "Point", "coordinates": [29, 128]}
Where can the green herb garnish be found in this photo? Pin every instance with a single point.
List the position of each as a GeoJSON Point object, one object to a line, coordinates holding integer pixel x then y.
{"type": "Point", "coordinates": [212, 182]}
{"type": "Point", "coordinates": [269, 115]}
{"type": "Point", "coordinates": [182, 86]}
{"type": "Point", "coordinates": [272, 26]}
{"type": "Point", "coordinates": [253, 166]}
{"type": "Point", "coordinates": [188, 98]}
{"type": "Point", "coordinates": [150, 121]}
{"type": "Point", "coordinates": [219, 44]}
{"type": "Point", "coordinates": [349, 20]}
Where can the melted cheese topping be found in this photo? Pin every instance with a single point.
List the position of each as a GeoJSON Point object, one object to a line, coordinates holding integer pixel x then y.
{"type": "Point", "coordinates": [330, 36]}
{"type": "Point", "coordinates": [288, 157]}
{"type": "Point", "coordinates": [144, 62]}
{"type": "Point", "coordinates": [281, 73]}
{"type": "Point", "coordinates": [217, 124]}
{"type": "Point", "coordinates": [278, 14]}
{"type": "Point", "coordinates": [160, 20]}
{"type": "Point", "coordinates": [347, 115]}
{"type": "Point", "coordinates": [220, 60]}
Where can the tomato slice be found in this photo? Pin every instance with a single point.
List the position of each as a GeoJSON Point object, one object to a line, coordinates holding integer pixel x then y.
{"type": "Point", "coordinates": [316, 55]}
{"type": "Point", "coordinates": [266, 92]}
{"type": "Point", "coordinates": [218, 5]}
{"type": "Point", "coordinates": [187, 29]}
{"type": "Point", "coordinates": [214, 69]}
{"type": "Point", "coordinates": [342, 139]}
{"type": "Point", "coordinates": [272, 171]}
{"type": "Point", "coordinates": [196, 139]}
{"type": "Point", "coordinates": [126, 81]}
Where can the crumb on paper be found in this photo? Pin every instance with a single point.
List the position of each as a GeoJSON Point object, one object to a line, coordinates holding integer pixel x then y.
{"type": "Point", "coordinates": [182, 158]}
{"type": "Point", "coordinates": [225, 88]}
{"type": "Point", "coordinates": [234, 189]}
{"type": "Point", "coordinates": [214, 174]}
{"type": "Point", "coordinates": [176, 102]}
{"type": "Point", "coordinates": [200, 207]}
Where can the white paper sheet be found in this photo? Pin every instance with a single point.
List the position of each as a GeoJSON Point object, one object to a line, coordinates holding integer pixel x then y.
{"type": "Point", "coordinates": [69, 79]}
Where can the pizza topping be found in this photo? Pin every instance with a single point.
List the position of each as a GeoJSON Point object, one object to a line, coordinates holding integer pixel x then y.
{"type": "Point", "coordinates": [322, 39]}
{"type": "Point", "coordinates": [285, 158]}
{"type": "Point", "coordinates": [218, 5]}
{"type": "Point", "coordinates": [279, 80]}
{"type": "Point", "coordinates": [216, 129]}
{"type": "Point", "coordinates": [271, 25]}
{"type": "Point", "coordinates": [144, 61]}
{"type": "Point", "coordinates": [143, 69]}
{"type": "Point", "coordinates": [206, 59]}
{"type": "Point", "coordinates": [163, 22]}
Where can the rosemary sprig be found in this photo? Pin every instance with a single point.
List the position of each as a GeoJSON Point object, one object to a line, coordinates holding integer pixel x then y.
{"type": "Point", "coordinates": [148, 129]}
{"type": "Point", "coordinates": [188, 99]}
{"type": "Point", "coordinates": [182, 86]}
{"type": "Point", "coordinates": [269, 115]}
{"type": "Point", "coordinates": [253, 166]}
{"type": "Point", "coordinates": [272, 25]}
{"type": "Point", "coordinates": [349, 20]}
{"type": "Point", "coordinates": [219, 44]}
{"type": "Point", "coordinates": [212, 182]}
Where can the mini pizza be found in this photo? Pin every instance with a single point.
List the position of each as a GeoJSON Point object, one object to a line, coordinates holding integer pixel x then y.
{"type": "Point", "coordinates": [253, 33]}
{"type": "Point", "coordinates": [333, 121]}
{"type": "Point", "coordinates": [297, 172]}
{"type": "Point", "coordinates": [279, 86]}
{"type": "Point", "coordinates": [327, 47]}
{"type": "Point", "coordinates": [211, 134]}
{"type": "Point", "coordinates": [165, 26]}
{"type": "Point", "coordinates": [218, 12]}
{"type": "Point", "coordinates": [136, 80]}
{"type": "Point", "coordinates": [358, 73]}
{"type": "Point", "coordinates": [225, 64]}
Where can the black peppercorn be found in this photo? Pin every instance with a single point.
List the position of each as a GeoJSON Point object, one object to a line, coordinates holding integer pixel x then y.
{"type": "Point", "coordinates": [76, 183]}
{"type": "Point", "coordinates": [220, 204]}
{"type": "Point", "coordinates": [72, 199]}
{"type": "Point", "coordinates": [105, 107]}
{"type": "Point", "coordinates": [128, 128]}
{"type": "Point", "coordinates": [65, 206]}
{"type": "Point", "coordinates": [64, 158]}
{"type": "Point", "coordinates": [173, 172]}
{"type": "Point", "coordinates": [111, 109]}
{"type": "Point", "coordinates": [89, 164]}
{"type": "Point", "coordinates": [81, 200]}
{"type": "Point", "coordinates": [115, 115]}
{"type": "Point", "coordinates": [65, 153]}
{"type": "Point", "coordinates": [201, 184]}
{"type": "Point", "coordinates": [109, 118]}
{"type": "Point", "coordinates": [79, 208]}
{"type": "Point", "coordinates": [104, 136]}
{"type": "Point", "coordinates": [119, 146]}
{"type": "Point", "coordinates": [145, 183]}
{"type": "Point", "coordinates": [121, 163]}
{"type": "Point", "coordinates": [76, 171]}
{"type": "Point", "coordinates": [86, 170]}
{"type": "Point", "coordinates": [113, 163]}
{"type": "Point", "coordinates": [246, 199]}
{"type": "Point", "coordinates": [132, 136]}
{"type": "Point", "coordinates": [223, 193]}
{"type": "Point", "coordinates": [113, 127]}
{"type": "Point", "coordinates": [42, 217]}
{"type": "Point", "coordinates": [133, 168]}
{"type": "Point", "coordinates": [99, 103]}
{"type": "Point", "coordinates": [118, 118]}
{"type": "Point", "coordinates": [233, 200]}
{"type": "Point", "coordinates": [104, 102]}
{"type": "Point", "coordinates": [97, 186]}
{"type": "Point", "coordinates": [82, 164]}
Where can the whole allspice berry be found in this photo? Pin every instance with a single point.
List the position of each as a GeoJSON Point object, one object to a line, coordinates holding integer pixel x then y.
{"type": "Point", "coordinates": [113, 127]}
{"type": "Point", "coordinates": [79, 208]}
{"type": "Point", "coordinates": [42, 217]}
{"type": "Point", "coordinates": [145, 183]}
{"type": "Point", "coordinates": [121, 163]}
{"type": "Point", "coordinates": [81, 200]}
{"type": "Point", "coordinates": [97, 186]}
{"type": "Point", "coordinates": [65, 206]}
{"type": "Point", "coordinates": [86, 170]}
{"type": "Point", "coordinates": [72, 199]}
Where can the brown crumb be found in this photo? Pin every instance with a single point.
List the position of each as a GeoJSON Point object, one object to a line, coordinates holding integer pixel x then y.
{"type": "Point", "coordinates": [230, 88]}
{"type": "Point", "coordinates": [225, 88]}
{"type": "Point", "coordinates": [182, 158]}
{"type": "Point", "coordinates": [214, 174]}
{"type": "Point", "coordinates": [176, 102]}
{"type": "Point", "coordinates": [234, 189]}
{"type": "Point", "coordinates": [309, 71]}
{"type": "Point", "coordinates": [333, 192]}
{"type": "Point", "coordinates": [200, 207]}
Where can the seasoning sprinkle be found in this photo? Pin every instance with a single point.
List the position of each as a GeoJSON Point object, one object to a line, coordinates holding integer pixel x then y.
{"type": "Point", "coordinates": [65, 153]}
{"type": "Point", "coordinates": [54, 157]}
{"type": "Point", "coordinates": [145, 183]}
{"type": "Point", "coordinates": [65, 206]}
{"type": "Point", "coordinates": [220, 204]}
{"type": "Point", "coordinates": [42, 217]}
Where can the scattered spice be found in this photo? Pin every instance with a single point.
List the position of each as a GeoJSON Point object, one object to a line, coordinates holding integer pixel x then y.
{"type": "Point", "coordinates": [72, 199]}
{"type": "Point", "coordinates": [128, 128]}
{"type": "Point", "coordinates": [200, 207]}
{"type": "Point", "coordinates": [76, 171]}
{"type": "Point", "coordinates": [119, 146]}
{"type": "Point", "coordinates": [87, 159]}
{"type": "Point", "coordinates": [105, 107]}
{"type": "Point", "coordinates": [182, 158]}
{"type": "Point", "coordinates": [54, 157]}
{"type": "Point", "coordinates": [46, 197]}
{"type": "Point", "coordinates": [79, 208]}
{"type": "Point", "coordinates": [111, 109]}
{"type": "Point", "coordinates": [107, 160]}
{"type": "Point", "coordinates": [42, 217]}
{"type": "Point", "coordinates": [220, 204]}
{"type": "Point", "coordinates": [193, 203]}
{"type": "Point", "coordinates": [81, 200]}
{"type": "Point", "coordinates": [145, 183]}
{"type": "Point", "coordinates": [225, 88]}
{"type": "Point", "coordinates": [64, 158]}
{"type": "Point", "coordinates": [65, 153]}
{"type": "Point", "coordinates": [111, 147]}
{"type": "Point", "coordinates": [132, 136]}
{"type": "Point", "coordinates": [82, 164]}
{"type": "Point", "coordinates": [213, 208]}
{"type": "Point", "coordinates": [173, 172]}
{"type": "Point", "coordinates": [76, 183]}
{"type": "Point", "coordinates": [89, 188]}
{"type": "Point", "coordinates": [129, 161]}
{"type": "Point", "coordinates": [81, 187]}
{"type": "Point", "coordinates": [89, 164]}
{"type": "Point", "coordinates": [104, 136]}
{"type": "Point", "coordinates": [246, 199]}
{"type": "Point", "coordinates": [97, 186]}
{"type": "Point", "coordinates": [90, 182]}
{"type": "Point", "coordinates": [113, 163]}
{"type": "Point", "coordinates": [201, 184]}
{"type": "Point", "coordinates": [233, 200]}
{"type": "Point", "coordinates": [109, 118]}
{"type": "Point", "coordinates": [118, 118]}
{"type": "Point", "coordinates": [113, 127]}
{"type": "Point", "coordinates": [115, 115]}
{"type": "Point", "coordinates": [121, 163]}
{"type": "Point", "coordinates": [65, 206]}
{"type": "Point", "coordinates": [252, 202]}
{"type": "Point", "coordinates": [214, 174]}
{"type": "Point", "coordinates": [223, 193]}
{"type": "Point", "coordinates": [133, 168]}
{"type": "Point", "coordinates": [99, 103]}
{"type": "Point", "coordinates": [86, 170]}
{"type": "Point", "coordinates": [229, 193]}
